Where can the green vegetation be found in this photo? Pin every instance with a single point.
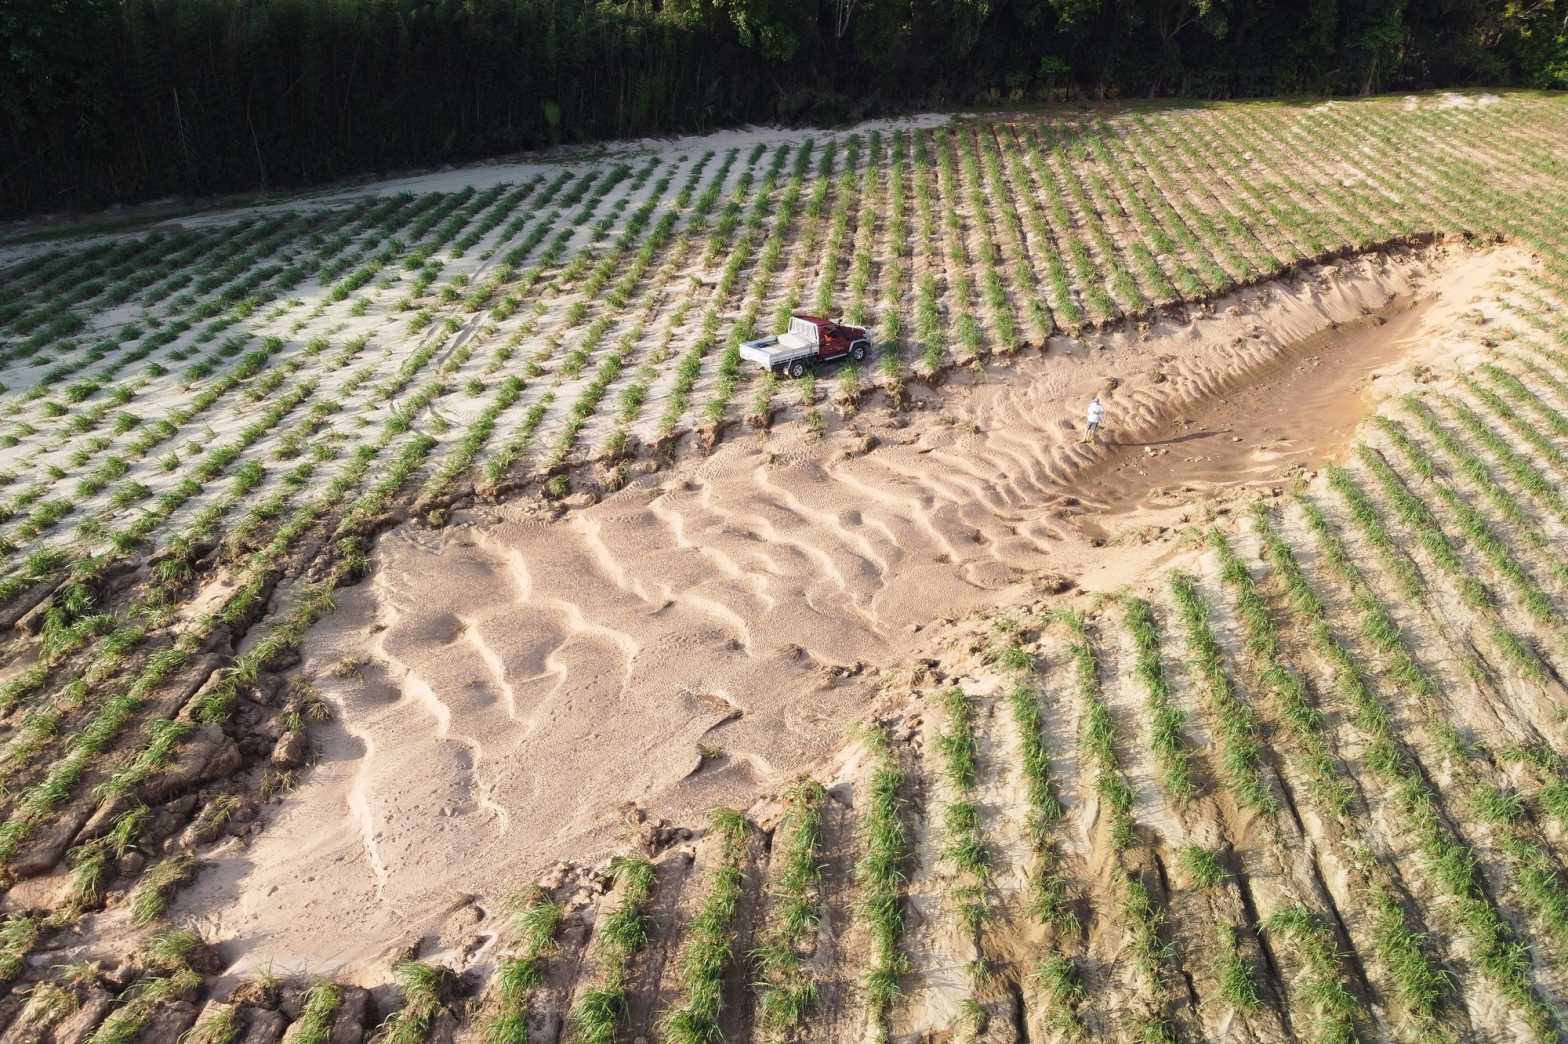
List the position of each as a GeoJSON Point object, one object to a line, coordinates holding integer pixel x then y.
{"type": "Point", "coordinates": [1047, 881]}
{"type": "Point", "coordinates": [789, 991]}
{"type": "Point", "coordinates": [1099, 738]}
{"type": "Point", "coordinates": [1241, 755]}
{"type": "Point", "coordinates": [707, 950]}
{"type": "Point", "coordinates": [421, 986]}
{"type": "Point", "coordinates": [965, 847]}
{"type": "Point", "coordinates": [558, 76]}
{"type": "Point", "coordinates": [623, 932]}
{"type": "Point", "coordinates": [1166, 718]}
{"type": "Point", "coordinates": [535, 921]}
{"type": "Point", "coordinates": [168, 978]}
{"type": "Point", "coordinates": [185, 491]}
{"type": "Point", "coordinates": [1325, 994]}
{"type": "Point", "coordinates": [314, 1025]}
{"type": "Point", "coordinates": [1202, 867]}
{"type": "Point", "coordinates": [1064, 993]}
{"type": "Point", "coordinates": [880, 875]}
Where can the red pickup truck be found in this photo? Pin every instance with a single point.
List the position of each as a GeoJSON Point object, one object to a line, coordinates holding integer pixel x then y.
{"type": "Point", "coordinates": [808, 340]}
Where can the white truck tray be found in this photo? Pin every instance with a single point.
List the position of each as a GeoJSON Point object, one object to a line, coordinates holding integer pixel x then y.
{"type": "Point", "coordinates": [774, 351]}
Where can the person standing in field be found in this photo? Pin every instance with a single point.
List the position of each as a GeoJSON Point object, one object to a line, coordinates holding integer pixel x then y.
{"type": "Point", "coordinates": [1096, 415]}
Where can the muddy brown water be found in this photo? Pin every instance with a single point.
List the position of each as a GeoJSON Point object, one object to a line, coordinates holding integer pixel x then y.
{"type": "Point", "coordinates": [1297, 412]}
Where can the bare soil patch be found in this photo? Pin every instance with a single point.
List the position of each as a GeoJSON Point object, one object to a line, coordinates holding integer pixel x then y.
{"type": "Point", "coordinates": [509, 685]}
{"type": "Point", "coordinates": [1292, 413]}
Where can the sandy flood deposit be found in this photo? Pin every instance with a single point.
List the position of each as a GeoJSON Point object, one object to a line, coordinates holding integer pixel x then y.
{"type": "Point", "coordinates": [510, 687]}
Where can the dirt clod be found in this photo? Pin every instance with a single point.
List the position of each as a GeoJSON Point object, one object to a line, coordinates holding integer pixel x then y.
{"type": "Point", "coordinates": [290, 750]}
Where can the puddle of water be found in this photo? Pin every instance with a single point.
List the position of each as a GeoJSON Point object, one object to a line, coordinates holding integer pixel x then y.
{"type": "Point", "coordinates": [1303, 409]}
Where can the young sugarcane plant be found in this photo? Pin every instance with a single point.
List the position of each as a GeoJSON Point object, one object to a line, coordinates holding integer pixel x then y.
{"type": "Point", "coordinates": [1241, 758]}
{"type": "Point", "coordinates": [1166, 719]}
{"type": "Point", "coordinates": [534, 925]}
{"type": "Point", "coordinates": [881, 874]}
{"type": "Point", "coordinates": [1304, 718]}
{"type": "Point", "coordinates": [965, 846]}
{"type": "Point", "coordinates": [711, 938]}
{"type": "Point", "coordinates": [789, 989]}
{"type": "Point", "coordinates": [1449, 858]}
{"type": "Point", "coordinates": [1099, 737]}
{"type": "Point", "coordinates": [1331, 1007]}
{"type": "Point", "coordinates": [622, 934]}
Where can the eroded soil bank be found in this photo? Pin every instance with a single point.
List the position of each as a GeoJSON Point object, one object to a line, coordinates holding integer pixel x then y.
{"type": "Point", "coordinates": [1289, 414]}
{"type": "Point", "coordinates": [506, 687]}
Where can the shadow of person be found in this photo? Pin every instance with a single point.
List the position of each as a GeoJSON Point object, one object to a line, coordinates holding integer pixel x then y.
{"type": "Point", "coordinates": [1173, 440]}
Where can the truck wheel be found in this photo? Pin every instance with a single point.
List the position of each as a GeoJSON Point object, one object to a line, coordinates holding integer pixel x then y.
{"type": "Point", "coordinates": [858, 352]}
{"type": "Point", "coordinates": [797, 369]}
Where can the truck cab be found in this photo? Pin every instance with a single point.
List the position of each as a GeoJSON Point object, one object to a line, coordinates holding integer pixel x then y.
{"type": "Point", "coordinates": [809, 339]}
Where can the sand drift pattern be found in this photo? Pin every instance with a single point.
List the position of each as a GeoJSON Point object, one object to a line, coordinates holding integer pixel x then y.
{"type": "Point", "coordinates": [1282, 770]}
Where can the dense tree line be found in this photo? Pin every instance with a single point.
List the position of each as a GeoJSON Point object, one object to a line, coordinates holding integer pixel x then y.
{"type": "Point", "coordinates": [106, 101]}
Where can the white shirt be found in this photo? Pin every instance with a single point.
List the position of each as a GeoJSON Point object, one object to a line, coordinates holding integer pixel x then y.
{"type": "Point", "coordinates": [1096, 411]}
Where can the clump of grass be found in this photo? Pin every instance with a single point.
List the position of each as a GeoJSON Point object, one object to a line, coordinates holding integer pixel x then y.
{"type": "Point", "coordinates": [1327, 782]}
{"type": "Point", "coordinates": [1099, 736]}
{"type": "Point", "coordinates": [624, 932]}
{"type": "Point", "coordinates": [762, 401]}
{"type": "Point", "coordinates": [167, 953]}
{"type": "Point", "coordinates": [711, 936]}
{"type": "Point", "coordinates": [1144, 919]}
{"type": "Point", "coordinates": [314, 1025]}
{"type": "Point", "coordinates": [791, 994]}
{"type": "Point", "coordinates": [156, 889]}
{"type": "Point", "coordinates": [1540, 880]}
{"type": "Point", "coordinates": [535, 922]}
{"type": "Point", "coordinates": [789, 991]}
{"type": "Point", "coordinates": [965, 845]}
{"type": "Point", "coordinates": [171, 950]}
{"type": "Point", "coordinates": [1241, 757]}
{"type": "Point", "coordinates": [1331, 1007]}
{"type": "Point", "coordinates": [1202, 866]}
{"type": "Point", "coordinates": [421, 985]}
{"type": "Point", "coordinates": [90, 864]}
{"type": "Point", "coordinates": [847, 395]}
{"type": "Point", "coordinates": [1553, 799]}
{"type": "Point", "coordinates": [17, 937]}
{"type": "Point", "coordinates": [802, 874]}
{"type": "Point", "coordinates": [1539, 756]}
{"type": "Point", "coordinates": [516, 978]}
{"type": "Point", "coordinates": [51, 1002]}
{"type": "Point", "coordinates": [125, 1024]}
{"type": "Point", "coordinates": [1238, 984]}
{"type": "Point", "coordinates": [1167, 719]}
{"type": "Point", "coordinates": [1419, 982]}
{"type": "Point", "coordinates": [595, 1016]}
{"type": "Point", "coordinates": [1494, 805]}
{"type": "Point", "coordinates": [881, 874]}
{"type": "Point", "coordinates": [1047, 882]}
{"type": "Point", "coordinates": [1064, 993]}
{"type": "Point", "coordinates": [1011, 656]}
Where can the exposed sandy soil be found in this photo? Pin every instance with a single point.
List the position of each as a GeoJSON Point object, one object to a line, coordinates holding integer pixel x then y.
{"type": "Point", "coordinates": [1297, 409]}
{"type": "Point", "coordinates": [506, 685]}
